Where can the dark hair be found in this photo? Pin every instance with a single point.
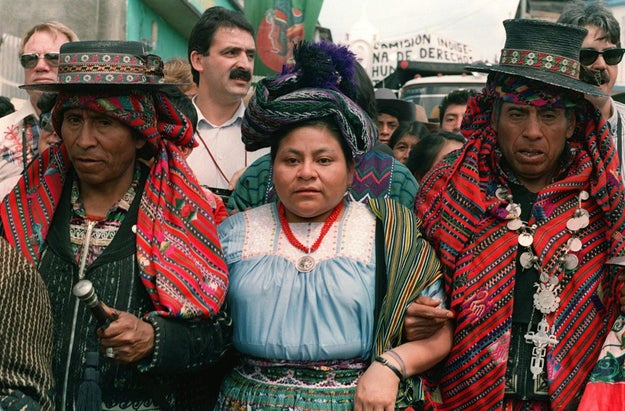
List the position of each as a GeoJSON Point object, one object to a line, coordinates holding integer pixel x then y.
{"type": "Point", "coordinates": [327, 122]}
{"type": "Point", "coordinates": [580, 13]}
{"type": "Point", "coordinates": [458, 97]}
{"type": "Point", "coordinates": [46, 101]}
{"type": "Point", "coordinates": [366, 93]}
{"type": "Point", "coordinates": [421, 157]}
{"type": "Point", "coordinates": [415, 128]}
{"type": "Point", "coordinates": [202, 34]}
{"type": "Point", "coordinates": [6, 107]}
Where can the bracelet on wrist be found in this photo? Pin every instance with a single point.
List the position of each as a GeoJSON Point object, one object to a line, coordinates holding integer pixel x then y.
{"type": "Point", "coordinates": [390, 366]}
{"type": "Point", "coordinates": [400, 361]}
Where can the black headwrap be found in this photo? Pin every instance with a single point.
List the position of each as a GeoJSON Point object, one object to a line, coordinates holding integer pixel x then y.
{"type": "Point", "coordinates": [320, 84]}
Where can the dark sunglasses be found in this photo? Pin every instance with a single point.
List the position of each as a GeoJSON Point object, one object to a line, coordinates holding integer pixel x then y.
{"type": "Point", "coordinates": [30, 60]}
{"type": "Point", "coordinates": [611, 56]}
{"type": "Point", "coordinates": [45, 122]}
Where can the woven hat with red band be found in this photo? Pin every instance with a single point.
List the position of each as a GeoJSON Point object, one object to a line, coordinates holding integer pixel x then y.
{"type": "Point", "coordinates": [106, 64]}
{"type": "Point", "coordinates": [543, 51]}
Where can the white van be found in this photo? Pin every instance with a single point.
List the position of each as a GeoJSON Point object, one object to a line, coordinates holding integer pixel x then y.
{"type": "Point", "coordinates": [429, 91]}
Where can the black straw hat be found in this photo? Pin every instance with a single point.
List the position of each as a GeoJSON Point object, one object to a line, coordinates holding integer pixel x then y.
{"type": "Point", "coordinates": [105, 65]}
{"type": "Point", "coordinates": [388, 103]}
{"type": "Point", "coordinates": [543, 51]}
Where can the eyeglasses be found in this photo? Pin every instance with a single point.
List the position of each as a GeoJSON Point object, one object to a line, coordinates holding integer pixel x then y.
{"type": "Point", "coordinates": [45, 122]}
{"type": "Point", "coordinates": [30, 60]}
{"type": "Point", "coordinates": [611, 56]}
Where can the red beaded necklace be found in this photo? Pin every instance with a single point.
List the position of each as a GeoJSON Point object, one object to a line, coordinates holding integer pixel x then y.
{"type": "Point", "coordinates": [324, 230]}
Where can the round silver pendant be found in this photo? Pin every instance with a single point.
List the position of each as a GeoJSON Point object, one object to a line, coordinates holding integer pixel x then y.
{"type": "Point", "coordinates": [585, 219]}
{"type": "Point", "coordinates": [546, 301]}
{"type": "Point", "coordinates": [515, 224]}
{"type": "Point", "coordinates": [575, 244]}
{"type": "Point", "coordinates": [574, 224]}
{"type": "Point", "coordinates": [527, 260]}
{"type": "Point", "coordinates": [526, 239]}
{"type": "Point", "coordinates": [570, 261]}
{"type": "Point", "coordinates": [583, 195]}
{"type": "Point", "coordinates": [305, 264]}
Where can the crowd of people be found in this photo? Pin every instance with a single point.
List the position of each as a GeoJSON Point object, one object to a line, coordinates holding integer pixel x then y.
{"type": "Point", "coordinates": [176, 237]}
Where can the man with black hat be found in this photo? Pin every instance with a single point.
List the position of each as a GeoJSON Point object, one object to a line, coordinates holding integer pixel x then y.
{"type": "Point", "coordinates": [392, 111]}
{"type": "Point", "coordinates": [524, 220]}
{"type": "Point", "coordinates": [116, 204]}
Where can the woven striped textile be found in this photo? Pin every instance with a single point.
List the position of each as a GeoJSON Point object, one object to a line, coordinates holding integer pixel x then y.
{"type": "Point", "coordinates": [178, 249]}
{"type": "Point", "coordinates": [463, 220]}
{"type": "Point", "coordinates": [411, 266]}
{"type": "Point", "coordinates": [264, 116]}
{"type": "Point", "coordinates": [372, 175]}
{"type": "Point", "coordinates": [25, 334]}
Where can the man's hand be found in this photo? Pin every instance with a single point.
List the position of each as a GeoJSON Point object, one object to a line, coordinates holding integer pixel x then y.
{"type": "Point", "coordinates": [423, 318]}
{"type": "Point", "coordinates": [129, 337]}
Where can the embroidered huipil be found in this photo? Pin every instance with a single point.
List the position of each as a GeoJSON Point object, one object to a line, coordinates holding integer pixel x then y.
{"type": "Point", "coordinates": [326, 314]}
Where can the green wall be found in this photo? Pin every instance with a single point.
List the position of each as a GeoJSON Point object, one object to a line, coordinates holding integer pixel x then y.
{"type": "Point", "coordinates": [140, 18]}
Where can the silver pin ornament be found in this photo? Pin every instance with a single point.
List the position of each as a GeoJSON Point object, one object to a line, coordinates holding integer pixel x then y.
{"type": "Point", "coordinates": [305, 264]}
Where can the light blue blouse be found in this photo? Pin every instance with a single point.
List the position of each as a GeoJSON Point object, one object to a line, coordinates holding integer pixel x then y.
{"type": "Point", "coordinates": [281, 313]}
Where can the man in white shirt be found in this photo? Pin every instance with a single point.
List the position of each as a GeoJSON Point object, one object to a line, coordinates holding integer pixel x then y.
{"type": "Point", "coordinates": [221, 52]}
{"type": "Point", "coordinates": [19, 131]}
{"type": "Point", "coordinates": [600, 55]}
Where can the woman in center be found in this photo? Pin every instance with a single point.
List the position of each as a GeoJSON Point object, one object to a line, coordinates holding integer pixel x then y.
{"type": "Point", "coordinates": [318, 284]}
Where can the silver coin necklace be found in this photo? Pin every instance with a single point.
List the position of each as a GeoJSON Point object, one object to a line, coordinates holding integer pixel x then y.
{"type": "Point", "coordinates": [546, 296]}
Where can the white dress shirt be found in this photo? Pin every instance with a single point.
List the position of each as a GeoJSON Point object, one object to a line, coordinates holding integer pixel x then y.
{"type": "Point", "coordinates": [220, 151]}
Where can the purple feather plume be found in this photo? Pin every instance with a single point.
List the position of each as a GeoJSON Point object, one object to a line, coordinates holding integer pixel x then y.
{"type": "Point", "coordinates": [324, 65]}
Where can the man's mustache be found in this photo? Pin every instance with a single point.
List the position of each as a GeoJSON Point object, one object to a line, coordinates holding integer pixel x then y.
{"type": "Point", "coordinates": [594, 77]}
{"type": "Point", "coordinates": [240, 74]}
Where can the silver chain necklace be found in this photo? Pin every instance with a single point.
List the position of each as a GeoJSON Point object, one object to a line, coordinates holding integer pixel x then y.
{"type": "Point", "coordinates": [546, 296]}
